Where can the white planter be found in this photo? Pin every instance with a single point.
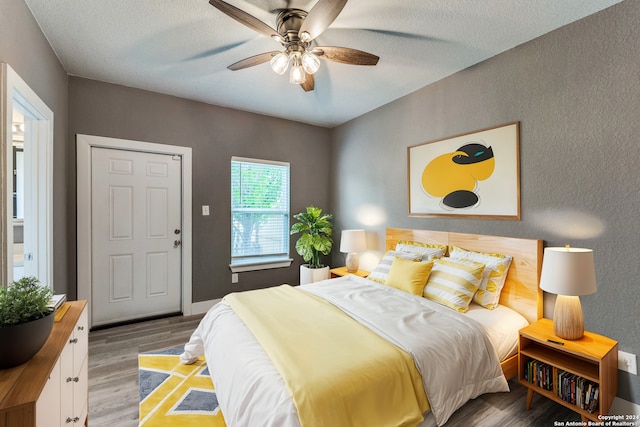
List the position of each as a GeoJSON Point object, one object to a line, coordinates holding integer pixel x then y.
{"type": "Point", "coordinates": [310, 275]}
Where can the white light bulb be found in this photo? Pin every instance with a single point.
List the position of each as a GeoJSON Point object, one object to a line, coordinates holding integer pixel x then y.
{"type": "Point", "coordinates": [280, 62]}
{"type": "Point", "coordinates": [297, 75]}
{"type": "Point", "coordinates": [310, 62]}
{"type": "Point", "coordinates": [305, 37]}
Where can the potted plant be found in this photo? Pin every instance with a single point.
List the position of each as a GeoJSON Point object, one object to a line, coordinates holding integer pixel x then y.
{"type": "Point", "coordinates": [315, 241]}
{"type": "Point", "coordinates": [25, 320]}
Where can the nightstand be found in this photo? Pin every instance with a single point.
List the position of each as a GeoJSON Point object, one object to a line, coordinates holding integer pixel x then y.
{"type": "Point", "coordinates": [579, 374]}
{"type": "Point", "coordinates": [342, 271]}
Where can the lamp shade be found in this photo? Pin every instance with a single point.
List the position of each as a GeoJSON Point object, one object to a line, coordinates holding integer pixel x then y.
{"type": "Point", "coordinates": [353, 241]}
{"type": "Point", "coordinates": [310, 62]}
{"type": "Point", "coordinates": [568, 271]}
{"type": "Point", "coordinates": [280, 62]}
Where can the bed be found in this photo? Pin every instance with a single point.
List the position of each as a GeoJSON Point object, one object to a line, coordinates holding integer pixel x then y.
{"type": "Point", "coordinates": [330, 370]}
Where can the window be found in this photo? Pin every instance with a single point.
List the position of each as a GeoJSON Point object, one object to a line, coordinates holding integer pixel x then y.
{"type": "Point", "coordinates": [259, 214]}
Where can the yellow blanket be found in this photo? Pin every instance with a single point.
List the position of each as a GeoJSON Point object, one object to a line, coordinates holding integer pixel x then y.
{"type": "Point", "coordinates": [338, 372]}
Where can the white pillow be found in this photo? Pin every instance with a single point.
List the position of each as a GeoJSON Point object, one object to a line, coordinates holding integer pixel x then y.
{"type": "Point", "coordinates": [426, 251]}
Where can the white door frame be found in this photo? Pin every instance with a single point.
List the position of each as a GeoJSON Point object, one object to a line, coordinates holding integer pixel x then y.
{"type": "Point", "coordinates": [17, 94]}
{"type": "Point", "coordinates": [84, 145]}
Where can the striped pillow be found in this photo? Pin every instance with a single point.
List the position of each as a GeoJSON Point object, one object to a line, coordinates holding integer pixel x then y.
{"type": "Point", "coordinates": [426, 250]}
{"type": "Point", "coordinates": [380, 273]}
{"type": "Point", "coordinates": [454, 282]}
{"type": "Point", "coordinates": [494, 276]}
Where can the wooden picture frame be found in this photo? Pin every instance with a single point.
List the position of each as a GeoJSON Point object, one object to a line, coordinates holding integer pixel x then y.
{"type": "Point", "coordinates": [472, 175]}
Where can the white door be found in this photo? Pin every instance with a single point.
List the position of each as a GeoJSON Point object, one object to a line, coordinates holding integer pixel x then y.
{"type": "Point", "coordinates": [135, 234]}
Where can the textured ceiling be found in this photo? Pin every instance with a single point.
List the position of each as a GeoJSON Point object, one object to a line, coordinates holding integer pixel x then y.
{"type": "Point", "coordinates": [182, 48]}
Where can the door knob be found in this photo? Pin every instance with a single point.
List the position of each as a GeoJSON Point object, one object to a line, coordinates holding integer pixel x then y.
{"type": "Point", "coordinates": [176, 243]}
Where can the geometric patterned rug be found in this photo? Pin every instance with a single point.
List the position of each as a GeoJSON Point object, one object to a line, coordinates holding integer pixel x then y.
{"type": "Point", "coordinates": [173, 394]}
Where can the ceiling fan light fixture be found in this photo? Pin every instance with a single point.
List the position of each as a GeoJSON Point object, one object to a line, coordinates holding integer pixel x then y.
{"type": "Point", "coordinates": [280, 62]}
{"type": "Point", "coordinates": [297, 75]}
{"type": "Point", "coordinates": [310, 62]}
{"type": "Point", "coordinates": [305, 36]}
{"type": "Point", "coordinates": [296, 30]}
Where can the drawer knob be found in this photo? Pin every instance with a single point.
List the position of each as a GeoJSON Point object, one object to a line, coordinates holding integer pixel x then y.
{"type": "Point", "coordinates": [81, 328]}
{"type": "Point", "coordinates": [74, 379]}
{"type": "Point", "coordinates": [73, 341]}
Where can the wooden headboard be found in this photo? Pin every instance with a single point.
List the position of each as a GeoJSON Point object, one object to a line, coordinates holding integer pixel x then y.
{"type": "Point", "coordinates": [521, 291]}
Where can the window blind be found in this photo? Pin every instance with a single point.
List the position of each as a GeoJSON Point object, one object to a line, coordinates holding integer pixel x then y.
{"type": "Point", "coordinates": [259, 210]}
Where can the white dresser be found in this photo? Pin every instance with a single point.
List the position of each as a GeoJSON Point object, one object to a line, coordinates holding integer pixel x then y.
{"type": "Point", "coordinates": [51, 390]}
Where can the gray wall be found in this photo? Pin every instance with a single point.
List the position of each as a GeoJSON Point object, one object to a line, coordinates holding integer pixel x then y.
{"type": "Point", "coordinates": [576, 93]}
{"type": "Point", "coordinates": [27, 51]}
{"type": "Point", "coordinates": [214, 134]}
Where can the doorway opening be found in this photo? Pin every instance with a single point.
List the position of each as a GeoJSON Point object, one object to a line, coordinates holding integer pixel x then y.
{"type": "Point", "coordinates": [27, 148]}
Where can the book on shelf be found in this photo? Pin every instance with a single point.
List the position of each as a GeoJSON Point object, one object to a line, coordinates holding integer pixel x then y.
{"type": "Point", "coordinates": [57, 301]}
{"type": "Point", "coordinates": [569, 387]}
{"type": "Point", "coordinates": [578, 391]}
{"type": "Point", "coordinates": [539, 373]}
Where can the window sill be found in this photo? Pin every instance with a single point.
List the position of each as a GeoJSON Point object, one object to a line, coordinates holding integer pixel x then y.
{"type": "Point", "coordinates": [241, 267]}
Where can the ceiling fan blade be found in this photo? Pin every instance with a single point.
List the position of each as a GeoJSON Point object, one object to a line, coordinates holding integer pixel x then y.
{"type": "Point", "coordinates": [245, 19]}
{"type": "Point", "coordinates": [309, 83]}
{"type": "Point", "coordinates": [251, 61]}
{"type": "Point", "coordinates": [321, 15]}
{"type": "Point", "coordinates": [346, 55]}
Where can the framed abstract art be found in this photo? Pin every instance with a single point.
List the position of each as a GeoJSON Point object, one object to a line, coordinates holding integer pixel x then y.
{"type": "Point", "coordinates": [474, 174]}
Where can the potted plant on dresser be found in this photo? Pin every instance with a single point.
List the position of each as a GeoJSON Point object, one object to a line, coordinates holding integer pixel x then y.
{"type": "Point", "coordinates": [316, 229]}
{"type": "Point", "coordinates": [26, 320]}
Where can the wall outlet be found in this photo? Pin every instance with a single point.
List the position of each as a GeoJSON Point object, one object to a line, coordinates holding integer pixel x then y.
{"type": "Point", "coordinates": [627, 362]}
{"type": "Point", "coordinates": [205, 210]}
{"type": "Point", "coordinates": [234, 277]}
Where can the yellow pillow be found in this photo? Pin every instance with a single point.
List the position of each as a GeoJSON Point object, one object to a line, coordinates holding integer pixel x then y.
{"type": "Point", "coordinates": [454, 282]}
{"type": "Point", "coordinates": [424, 245]}
{"type": "Point", "coordinates": [381, 272]}
{"type": "Point", "coordinates": [409, 276]}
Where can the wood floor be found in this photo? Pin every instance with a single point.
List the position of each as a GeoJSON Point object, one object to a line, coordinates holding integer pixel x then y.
{"type": "Point", "coordinates": [113, 365]}
{"type": "Point", "coordinates": [113, 381]}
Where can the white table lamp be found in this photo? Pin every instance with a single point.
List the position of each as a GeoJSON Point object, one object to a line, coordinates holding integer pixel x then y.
{"type": "Point", "coordinates": [568, 272]}
{"type": "Point", "coordinates": [352, 242]}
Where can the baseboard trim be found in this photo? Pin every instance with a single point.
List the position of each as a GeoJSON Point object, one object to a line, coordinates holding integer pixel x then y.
{"type": "Point", "coordinates": [624, 407]}
{"type": "Point", "coordinates": [202, 307]}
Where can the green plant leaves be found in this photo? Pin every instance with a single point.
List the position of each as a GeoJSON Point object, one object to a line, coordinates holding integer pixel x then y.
{"type": "Point", "coordinates": [304, 247]}
{"type": "Point", "coordinates": [316, 238]}
{"type": "Point", "coordinates": [23, 301]}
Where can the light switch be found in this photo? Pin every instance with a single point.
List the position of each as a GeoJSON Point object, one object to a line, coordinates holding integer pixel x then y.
{"type": "Point", "coordinates": [205, 210]}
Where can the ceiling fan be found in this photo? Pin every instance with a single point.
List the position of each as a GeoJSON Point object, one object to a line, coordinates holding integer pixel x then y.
{"type": "Point", "coordinates": [296, 31]}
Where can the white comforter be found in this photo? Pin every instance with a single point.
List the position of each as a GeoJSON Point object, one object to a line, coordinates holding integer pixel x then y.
{"type": "Point", "coordinates": [451, 351]}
